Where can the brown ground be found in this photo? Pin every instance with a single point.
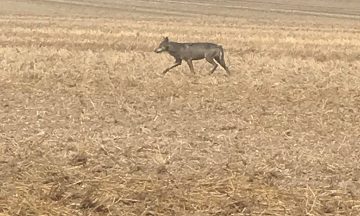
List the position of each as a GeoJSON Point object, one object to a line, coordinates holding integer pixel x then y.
{"type": "Point", "coordinates": [89, 126]}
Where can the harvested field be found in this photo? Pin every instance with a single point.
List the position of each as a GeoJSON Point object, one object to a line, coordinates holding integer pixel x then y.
{"type": "Point", "coordinates": [90, 126]}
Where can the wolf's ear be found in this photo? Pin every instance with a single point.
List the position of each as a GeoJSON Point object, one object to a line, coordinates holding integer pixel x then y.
{"type": "Point", "coordinates": [166, 39]}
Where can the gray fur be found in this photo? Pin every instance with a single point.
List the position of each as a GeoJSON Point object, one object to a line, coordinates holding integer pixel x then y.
{"type": "Point", "coordinates": [193, 51]}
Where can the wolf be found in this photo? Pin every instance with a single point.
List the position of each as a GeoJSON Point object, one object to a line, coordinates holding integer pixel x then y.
{"type": "Point", "coordinates": [193, 51]}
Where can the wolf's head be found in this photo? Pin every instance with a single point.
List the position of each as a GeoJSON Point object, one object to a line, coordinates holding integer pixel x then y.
{"type": "Point", "coordinates": [163, 46]}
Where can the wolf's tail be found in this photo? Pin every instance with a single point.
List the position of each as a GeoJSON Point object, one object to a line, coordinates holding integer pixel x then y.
{"type": "Point", "coordinates": [221, 53]}
{"type": "Point", "coordinates": [222, 60]}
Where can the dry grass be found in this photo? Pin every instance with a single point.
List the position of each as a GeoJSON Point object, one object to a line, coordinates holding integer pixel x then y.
{"type": "Point", "coordinates": [89, 126]}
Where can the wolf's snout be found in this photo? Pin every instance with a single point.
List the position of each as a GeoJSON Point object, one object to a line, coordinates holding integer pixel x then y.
{"type": "Point", "coordinates": [157, 50]}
